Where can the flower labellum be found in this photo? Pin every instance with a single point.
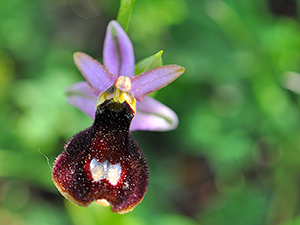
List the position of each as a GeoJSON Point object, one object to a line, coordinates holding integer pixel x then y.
{"type": "Point", "coordinates": [104, 163]}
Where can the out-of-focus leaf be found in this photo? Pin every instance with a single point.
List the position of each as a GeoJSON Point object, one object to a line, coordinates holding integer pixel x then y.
{"type": "Point", "coordinates": [147, 25]}
{"type": "Point", "coordinates": [26, 166]}
{"type": "Point", "coordinates": [173, 219]}
{"type": "Point", "coordinates": [251, 207]}
{"type": "Point", "coordinates": [96, 214]}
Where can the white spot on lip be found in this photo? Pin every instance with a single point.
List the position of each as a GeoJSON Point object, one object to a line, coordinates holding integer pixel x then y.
{"type": "Point", "coordinates": [105, 170]}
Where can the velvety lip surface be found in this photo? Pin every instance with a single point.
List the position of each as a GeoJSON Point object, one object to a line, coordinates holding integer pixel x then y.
{"type": "Point", "coordinates": [107, 140]}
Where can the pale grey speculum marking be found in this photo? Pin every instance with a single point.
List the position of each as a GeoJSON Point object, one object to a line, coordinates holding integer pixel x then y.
{"type": "Point", "coordinates": [105, 170]}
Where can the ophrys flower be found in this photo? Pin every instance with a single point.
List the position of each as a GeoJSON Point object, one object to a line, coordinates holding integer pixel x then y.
{"type": "Point", "coordinates": [104, 163]}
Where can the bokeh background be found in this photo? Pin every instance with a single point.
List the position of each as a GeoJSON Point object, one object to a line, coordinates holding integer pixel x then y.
{"type": "Point", "coordinates": [235, 157]}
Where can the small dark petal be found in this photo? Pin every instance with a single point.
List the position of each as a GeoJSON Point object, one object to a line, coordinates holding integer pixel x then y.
{"type": "Point", "coordinates": [104, 162]}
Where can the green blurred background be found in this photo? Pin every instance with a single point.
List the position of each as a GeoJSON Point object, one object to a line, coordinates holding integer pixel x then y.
{"type": "Point", "coordinates": [235, 157]}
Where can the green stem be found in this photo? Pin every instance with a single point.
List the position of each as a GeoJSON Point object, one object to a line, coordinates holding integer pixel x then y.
{"type": "Point", "coordinates": [124, 13]}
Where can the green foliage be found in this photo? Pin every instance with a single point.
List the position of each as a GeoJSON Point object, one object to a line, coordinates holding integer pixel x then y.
{"type": "Point", "coordinates": [125, 11]}
{"type": "Point", "coordinates": [149, 63]}
{"type": "Point", "coordinates": [235, 157]}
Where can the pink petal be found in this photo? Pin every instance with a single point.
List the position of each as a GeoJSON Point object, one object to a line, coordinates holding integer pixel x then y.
{"type": "Point", "coordinates": [81, 96]}
{"type": "Point", "coordinates": [154, 116]}
{"type": "Point", "coordinates": [154, 79]}
{"type": "Point", "coordinates": [95, 74]}
{"type": "Point", "coordinates": [118, 53]}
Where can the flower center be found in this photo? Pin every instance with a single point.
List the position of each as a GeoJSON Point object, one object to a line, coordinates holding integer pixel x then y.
{"type": "Point", "coordinates": [119, 93]}
{"type": "Point", "coordinates": [123, 84]}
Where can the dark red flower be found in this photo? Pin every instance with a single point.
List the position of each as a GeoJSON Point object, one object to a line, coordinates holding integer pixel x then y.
{"type": "Point", "coordinates": [104, 163]}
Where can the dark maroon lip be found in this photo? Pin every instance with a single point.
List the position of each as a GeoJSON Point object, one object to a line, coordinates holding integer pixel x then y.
{"type": "Point", "coordinates": [104, 162]}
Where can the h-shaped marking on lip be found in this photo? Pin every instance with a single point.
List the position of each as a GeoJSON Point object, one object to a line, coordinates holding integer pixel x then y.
{"type": "Point", "coordinates": [106, 170]}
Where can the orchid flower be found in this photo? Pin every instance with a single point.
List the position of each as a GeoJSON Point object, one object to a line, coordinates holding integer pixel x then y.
{"type": "Point", "coordinates": [118, 57]}
{"type": "Point", "coordinates": [104, 163]}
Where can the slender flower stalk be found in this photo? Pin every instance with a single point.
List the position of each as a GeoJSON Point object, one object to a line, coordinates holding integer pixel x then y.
{"type": "Point", "coordinates": [124, 13]}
